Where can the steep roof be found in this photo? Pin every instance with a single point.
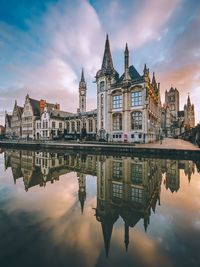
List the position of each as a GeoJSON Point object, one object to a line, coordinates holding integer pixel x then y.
{"type": "Point", "coordinates": [36, 106]}
{"type": "Point", "coordinates": [59, 113]}
{"type": "Point", "coordinates": [133, 73]}
{"type": "Point", "coordinates": [8, 118]}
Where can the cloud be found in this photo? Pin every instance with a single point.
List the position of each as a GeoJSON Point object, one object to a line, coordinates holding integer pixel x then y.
{"type": "Point", "coordinates": [140, 23]}
{"type": "Point", "coordinates": [46, 61]}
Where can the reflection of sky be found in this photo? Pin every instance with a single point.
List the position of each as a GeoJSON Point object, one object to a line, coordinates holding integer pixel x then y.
{"type": "Point", "coordinates": [45, 227]}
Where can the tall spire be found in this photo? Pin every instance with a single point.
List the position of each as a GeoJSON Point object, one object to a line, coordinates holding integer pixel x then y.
{"type": "Point", "coordinates": [82, 76]}
{"type": "Point", "coordinates": [188, 100]}
{"type": "Point", "coordinates": [107, 63]}
{"type": "Point", "coordinates": [107, 226]}
{"type": "Point", "coordinates": [126, 63]}
{"type": "Point", "coordinates": [126, 235]}
{"type": "Point", "coordinates": [82, 93]}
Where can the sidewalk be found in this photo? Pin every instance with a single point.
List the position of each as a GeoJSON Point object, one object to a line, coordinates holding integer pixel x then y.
{"type": "Point", "coordinates": [170, 143]}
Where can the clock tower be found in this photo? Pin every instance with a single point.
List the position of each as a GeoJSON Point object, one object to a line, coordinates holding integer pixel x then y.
{"type": "Point", "coordinates": [82, 93]}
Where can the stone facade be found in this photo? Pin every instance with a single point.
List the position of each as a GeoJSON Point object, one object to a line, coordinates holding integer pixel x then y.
{"type": "Point", "coordinates": [16, 121]}
{"type": "Point", "coordinates": [173, 120]}
{"type": "Point", "coordinates": [8, 131]}
{"type": "Point", "coordinates": [128, 106]}
{"type": "Point", "coordinates": [51, 124]}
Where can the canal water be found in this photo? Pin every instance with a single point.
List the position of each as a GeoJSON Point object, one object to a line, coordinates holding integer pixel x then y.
{"type": "Point", "coordinates": [93, 210]}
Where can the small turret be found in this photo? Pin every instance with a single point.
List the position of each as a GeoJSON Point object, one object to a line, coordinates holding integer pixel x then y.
{"type": "Point", "coordinates": [126, 64]}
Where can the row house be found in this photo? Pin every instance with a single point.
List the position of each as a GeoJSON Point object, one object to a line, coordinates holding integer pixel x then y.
{"type": "Point", "coordinates": [16, 121]}
{"type": "Point", "coordinates": [32, 112]}
{"type": "Point", "coordinates": [51, 124]}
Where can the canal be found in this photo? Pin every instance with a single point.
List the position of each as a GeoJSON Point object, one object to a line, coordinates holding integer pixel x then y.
{"type": "Point", "coordinates": [62, 209]}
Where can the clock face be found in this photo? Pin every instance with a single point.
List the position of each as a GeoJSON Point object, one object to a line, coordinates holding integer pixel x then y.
{"type": "Point", "coordinates": [82, 92]}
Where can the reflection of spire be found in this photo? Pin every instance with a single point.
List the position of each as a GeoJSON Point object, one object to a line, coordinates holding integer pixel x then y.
{"type": "Point", "coordinates": [126, 235]}
{"type": "Point", "coordinates": [82, 191]}
{"type": "Point", "coordinates": [107, 227]}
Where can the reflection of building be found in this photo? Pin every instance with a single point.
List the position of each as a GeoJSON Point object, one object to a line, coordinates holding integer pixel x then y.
{"type": "Point", "coordinates": [126, 187]}
{"type": "Point", "coordinates": [129, 188]}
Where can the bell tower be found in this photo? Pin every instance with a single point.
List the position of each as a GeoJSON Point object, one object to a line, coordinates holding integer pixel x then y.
{"type": "Point", "coordinates": [82, 93]}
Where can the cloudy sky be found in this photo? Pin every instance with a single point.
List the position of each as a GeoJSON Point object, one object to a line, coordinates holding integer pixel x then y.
{"type": "Point", "coordinates": [45, 43]}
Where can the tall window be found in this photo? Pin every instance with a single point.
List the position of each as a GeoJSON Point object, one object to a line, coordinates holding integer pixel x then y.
{"type": "Point", "coordinates": [137, 195]}
{"type": "Point", "coordinates": [136, 120]}
{"type": "Point", "coordinates": [73, 126]}
{"type": "Point", "coordinates": [102, 85]}
{"type": "Point", "coordinates": [60, 125]}
{"type": "Point", "coordinates": [117, 170]}
{"type": "Point", "coordinates": [136, 99]}
{"type": "Point", "coordinates": [90, 125]}
{"type": "Point", "coordinates": [78, 126]}
{"type": "Point", "coordinates": [136, 173]}
{"type": "Point", "coordinates": [117, 122]}
{"type": "Point", "coordinates": [53, 124]}
{"type": "Point", "coordinates": [117, 101]}
{"type": "Point", "coordinates": [117, 190]}
{"type": "Point", "coordinates": [102, 98]}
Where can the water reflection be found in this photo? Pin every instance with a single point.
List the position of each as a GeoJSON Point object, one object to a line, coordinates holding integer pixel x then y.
{"type": "Point", "coordinates": [127, 188]}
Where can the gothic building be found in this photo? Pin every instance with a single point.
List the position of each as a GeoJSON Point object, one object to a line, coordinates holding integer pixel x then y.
{"type": "Point", "coordinates": [83, 122]}
{"type": "Point", "coordinates": [16, 121]}
{"type": "Point", "coordinates": [128, 106]}
{"type": "Point", "coordinates": [173, 120]}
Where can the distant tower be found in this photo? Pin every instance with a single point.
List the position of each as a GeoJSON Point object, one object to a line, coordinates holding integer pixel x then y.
{"type": "Point", "coordinates": [189, 116]}
{"type": "Point", "coordinates": [172, 101]}
{"type": "Point", "coordinates": [82, 93]}
{"type": "Point", "coordinates": [82, 190]}
{"type": "Point", "coordinates": [126, 64]}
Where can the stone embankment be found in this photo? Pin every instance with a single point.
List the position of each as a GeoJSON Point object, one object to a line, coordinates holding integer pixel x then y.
{"type": "Point", "coordinates": [170, 148]}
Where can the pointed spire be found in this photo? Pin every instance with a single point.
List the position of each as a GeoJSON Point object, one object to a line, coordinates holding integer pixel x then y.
{"type": "Point", "coordinates": [188, 100]}
{"type": "Point", "coordinates": [107, 63]}
{"type": "Point", "coordinates": [126, 235]}
{"type": "Point", "coordinates": [126, 64]}
{"type": "Point", "coordinates": [82, 76]}
{"type": "Point", "coordinates": [107, 227]}
{"type": "Point", "coordinates": [145, 68]}
{"type": "Point", "coordinates": [153, 79]}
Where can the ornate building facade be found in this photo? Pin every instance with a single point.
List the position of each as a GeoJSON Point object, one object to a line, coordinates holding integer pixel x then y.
{"type": "Point", "coordinates": [173, 120]}
{"type": "Point", "coordinates": [16, 121]}
{"type": "Point", "coordinates": [128, 106]}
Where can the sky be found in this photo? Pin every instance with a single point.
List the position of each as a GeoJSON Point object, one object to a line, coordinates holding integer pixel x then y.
{"type": "Point", "coordinates": [45, 43]}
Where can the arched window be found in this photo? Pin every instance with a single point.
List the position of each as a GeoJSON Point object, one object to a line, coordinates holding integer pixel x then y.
{"type": "Point", "coordinates": [102, 86]}
{"type": "Point", "coordinates": [117, 122]}
{"type": "Point", "coordinates": [136, 120]}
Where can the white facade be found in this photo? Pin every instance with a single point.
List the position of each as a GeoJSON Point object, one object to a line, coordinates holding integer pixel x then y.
{"type": "Point", "coordinates": [51, 124]}
{"type": "Point", "coordinates": [128, 107]}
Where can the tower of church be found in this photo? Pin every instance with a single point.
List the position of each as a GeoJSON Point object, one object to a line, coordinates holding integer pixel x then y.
{"type": "Point", "coordinates": [82, 93]}
{"type": "Point", "coordinates": [189, 115]}
{"type": "Point", "coordinates": [172, 101]}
